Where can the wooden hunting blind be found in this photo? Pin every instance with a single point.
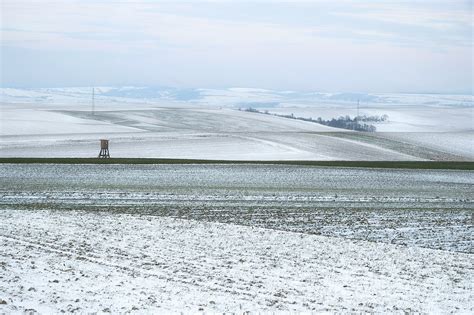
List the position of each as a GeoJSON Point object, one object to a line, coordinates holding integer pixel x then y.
{"type": "Point", "coordinates": [104, 149]}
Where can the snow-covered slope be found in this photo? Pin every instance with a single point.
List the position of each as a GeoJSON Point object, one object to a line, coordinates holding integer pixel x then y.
{"type": "Point", "coordinates": [178, 133]}
{"type": "Point", "coordinates": [205, 123]}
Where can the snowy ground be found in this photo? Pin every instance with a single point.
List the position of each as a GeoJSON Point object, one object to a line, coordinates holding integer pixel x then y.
{"type": "Point", "coordinates": [204, 124]}
{"type": "Point", "coordinates": [234, 238]}
{"type": "Point", "coordinates": [180, 133]}
{"type": "Point", "coordinates": [80, 261]}
{"type": "Point", "coordinates": [418, 208]}
{"type": "Point", "coordinates": [402, 117]}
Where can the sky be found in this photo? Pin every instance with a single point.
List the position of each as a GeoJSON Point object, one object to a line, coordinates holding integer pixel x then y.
{"type": "Point", "coordinates": [323, 45]}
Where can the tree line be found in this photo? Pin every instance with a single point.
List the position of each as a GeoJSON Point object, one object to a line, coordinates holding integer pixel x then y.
{"type": "Point", "coordinates": [359, 123]}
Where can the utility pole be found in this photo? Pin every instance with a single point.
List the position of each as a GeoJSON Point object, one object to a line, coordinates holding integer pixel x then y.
{"type": "Point", "coordinates": [93, 101]}
{"type": "Point", "coordinates": [358, 109]}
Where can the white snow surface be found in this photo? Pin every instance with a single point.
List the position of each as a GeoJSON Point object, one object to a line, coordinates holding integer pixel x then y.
{"type": "Point", "coordinates": [204, 123]}
{"type": "Point", "coordinates": [54, 261]}
{"type": "Point", "coordinates": [176, 132]}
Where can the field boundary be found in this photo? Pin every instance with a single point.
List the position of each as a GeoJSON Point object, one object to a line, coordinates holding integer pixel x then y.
{"type": "Point", "coordinates": [455, 165]}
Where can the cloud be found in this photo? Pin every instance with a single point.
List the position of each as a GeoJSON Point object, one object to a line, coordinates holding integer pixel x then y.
{"type": "Point", "coordinates": [77, 25]}
{"type": "Point", "coordinates": [304, 44]}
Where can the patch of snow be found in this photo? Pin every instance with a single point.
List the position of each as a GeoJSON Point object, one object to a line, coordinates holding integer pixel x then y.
{"type": "Point", "coordinates": [98, 262]}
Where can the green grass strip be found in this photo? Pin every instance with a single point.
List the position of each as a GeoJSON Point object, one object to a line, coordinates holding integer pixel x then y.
{"type": "Point", "coordinates": [454, 165]}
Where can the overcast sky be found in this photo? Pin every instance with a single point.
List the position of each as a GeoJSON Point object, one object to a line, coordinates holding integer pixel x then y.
{"type": "Point", "coordinates": [366, 46]}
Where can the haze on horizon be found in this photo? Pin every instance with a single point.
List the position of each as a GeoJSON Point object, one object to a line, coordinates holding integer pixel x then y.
{"type": "Point", "coordinates": [387, 46]}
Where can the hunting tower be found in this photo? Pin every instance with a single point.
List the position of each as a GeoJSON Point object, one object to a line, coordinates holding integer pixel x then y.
{"type": "Point", "coordinates": [104, 149]}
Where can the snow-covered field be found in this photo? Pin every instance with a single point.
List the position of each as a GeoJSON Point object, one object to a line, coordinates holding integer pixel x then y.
{"type": "Point", "coordinates": [234, 238]}
{"type": "Point", "coordinates": [79, 261]}
{"type": "Point", "coordinates": [421, 208]}
{"type": "Point", "coordinates": [402, 117]}
{"type": "Point", "coordinates": [204, 123]}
